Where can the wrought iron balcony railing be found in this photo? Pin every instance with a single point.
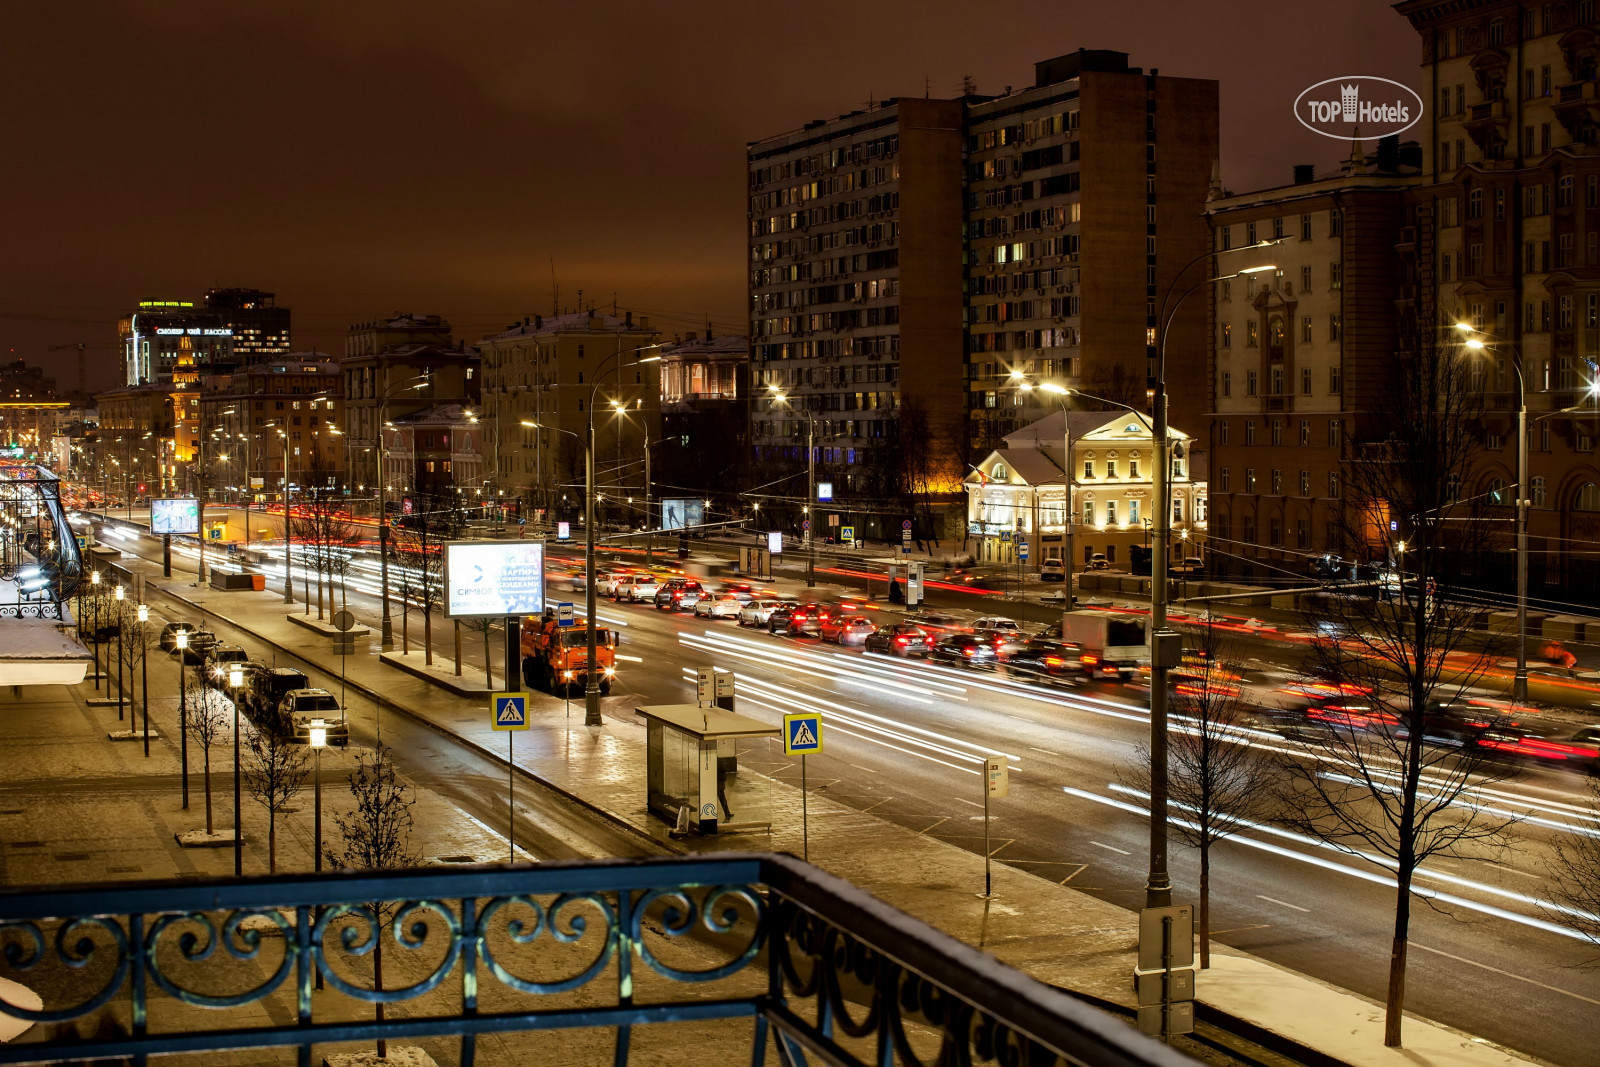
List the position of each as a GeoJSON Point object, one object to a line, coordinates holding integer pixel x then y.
{"type": "Point", "coordinates": [793, 964]}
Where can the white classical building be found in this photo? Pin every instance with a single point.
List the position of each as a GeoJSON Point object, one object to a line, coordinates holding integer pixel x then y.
{"type": "Point", "coordinates": [1018, 494]}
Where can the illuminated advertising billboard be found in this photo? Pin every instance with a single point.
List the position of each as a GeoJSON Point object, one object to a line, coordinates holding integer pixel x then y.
{"type": "Point", "coordinates": [175, 516]}
{"type": "Point", "coordinates": [680, 513]}
{"type": "Point", "coordinates": [493, 578]}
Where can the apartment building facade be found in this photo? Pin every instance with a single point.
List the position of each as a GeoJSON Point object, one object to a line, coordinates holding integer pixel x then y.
{"type": "Point", "coordinates": [1085, 195]}
{"type": "Point", "coordinates": [272, 419]}
{"type": "Point", "coordinates": [1299, 354]}
{"type": "Point", "coordinates": [382, 385]}
{"type": "Point", "coordinates": [1506, 235]}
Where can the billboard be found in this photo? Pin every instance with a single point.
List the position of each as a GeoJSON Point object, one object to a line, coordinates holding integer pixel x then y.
{"type": "Point", "coordinates": [175, 516]}
{"type": "Point", "coordinates": [493, 578]}
{"type": "Point", "coordinates": [680, 513]}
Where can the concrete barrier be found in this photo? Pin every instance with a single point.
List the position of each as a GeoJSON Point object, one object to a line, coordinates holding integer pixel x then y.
{"type": "Point", "coordinates": [1561, 628]}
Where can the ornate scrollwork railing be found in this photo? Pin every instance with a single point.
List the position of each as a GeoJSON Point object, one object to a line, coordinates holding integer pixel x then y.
{"type": "Point", "coordinates": [824, 972]}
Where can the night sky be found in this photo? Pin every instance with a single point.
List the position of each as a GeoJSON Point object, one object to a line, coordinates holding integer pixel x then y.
{"type": "Point", "coordinates": [359, 157]}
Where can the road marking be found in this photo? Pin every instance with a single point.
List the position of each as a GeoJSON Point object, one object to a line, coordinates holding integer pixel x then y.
{"type": "Point", "coordinates": [1111, 848]}
{"type": "Point", "coordinates": [1240, 929]}
{"type": "Point", "coordinates": [1512, 870]}
{"type": "Point", "coordinates": [630, 659]}
{"type": "Point", "coordinates": [964, 800]}
{"type": "Point", "coordinates": [857, 766]}
{"type": "Point", "coordinates": [1285, 903]}
{"type": "Point", "coordinates": [1046, 751]}
{"type": "Point", "coordinates": [1508, 974]}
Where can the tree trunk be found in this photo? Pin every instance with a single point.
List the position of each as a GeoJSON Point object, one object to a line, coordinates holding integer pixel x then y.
{"type": "Point", "coordinates": [377, 984]}
{"type": "Point", "coordinates": [1205, 904]}
{"type": "Point", "coordinates": [427, 635]}
{"type": "Point", "coordinates": [1394, 1007]}
{"type": "Point", "coordinates": [209, 828]}
{"type": "Point", "coordinates": [319, 589]}
{"type": "Point", "coordinates": [458, 647]}
{"type": "Point", "coordinates": [272, 840]}
{"type": "Point", "coordinates": [488, 668]}
{"type": "Point", "coordinates": [405, 630]}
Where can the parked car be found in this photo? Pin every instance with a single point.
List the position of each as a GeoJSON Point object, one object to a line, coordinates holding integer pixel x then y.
{"type": "Point", "coordinates": [1098, 562]}
{"type": "Point", "coordinates": [899, 639]}
{"type": "Point", "coordinates": [755, 612]}
{"type": "Point", "coordinates": [637, 588]}
{"type": "Point", "coordinates": [264, 689]}
{"type": "Point", "coordinates": [722, 606]}
{"type": "Point", "coordinates": [806, 620]}
{"type": "Point", "coordinates": [201, 642]}
{"type": "Point", "coordinates": [964, 649]}
{"type": "Point", "coordinates": [1052, 570]}
{"type": "Point", "coordinates": [671, 593]}
{"type": "Point", "coordinates": [169, 634]}
{"type": "Point", "coordinates": [1189, 567]}
{"type": "Point", "coordinates": [299, 707]}
{"type": "Point", "coordinates": [218, 663]}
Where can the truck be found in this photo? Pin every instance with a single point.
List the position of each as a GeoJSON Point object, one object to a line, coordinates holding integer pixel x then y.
{"type": "Point", "coordinates": [555, 658]}
{"type": "Point", "coordinates": [1109, 645]}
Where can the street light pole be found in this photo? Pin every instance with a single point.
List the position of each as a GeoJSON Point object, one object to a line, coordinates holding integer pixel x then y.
{"type": "Point", "coordinates": [591, 690]}
{"type": "Point", "coordinates": [811, 500]}
{"type": "Point", "coordinates": [181, 640]}
{"type": "Point", "coordinates": [200, 492]}
{"type": "Point", "coordinates": [288, 533]}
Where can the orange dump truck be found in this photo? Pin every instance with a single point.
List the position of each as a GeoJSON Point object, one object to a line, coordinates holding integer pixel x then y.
{"type": "Point", "coordinates": [556, 657]}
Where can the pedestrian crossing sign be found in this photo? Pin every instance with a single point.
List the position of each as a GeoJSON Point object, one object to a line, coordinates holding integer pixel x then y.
{"type": "Point", "coordinates": [510, 711]}
{"type": "Point", "coordinates": [802, 734]}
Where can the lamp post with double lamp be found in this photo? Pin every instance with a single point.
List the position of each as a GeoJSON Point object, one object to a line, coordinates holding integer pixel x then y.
{"type": "Point", "coordinates": [144, 683]}
{"type": "Point", "coordinates": [94, 586]}
{"type": "Point", "coordinates": [120, 594]}
{"type": "Point", "coordinates": [236, 683]}
{"type": "Point", "coordinates": [811, 482]}
{"type": "Point", "coordinates": [1165, 648]}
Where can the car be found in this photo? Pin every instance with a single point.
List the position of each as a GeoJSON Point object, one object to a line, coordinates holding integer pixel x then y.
{"type": "Point", "coordinates": [1044, 655]}
{"type": "Point", "coordinates": [264, 689]}
{"type": "Point", "coordinates": [1190, 567]}
{"type": "Point", "coordinates": [722, 606]}
{"type": "Point", "coordinates": [637, 588]}
{"type": "Point", "coordinates": [578, 582]}
{"type": "Point", "coordinates": [1578, 752]}
{"type": "Point", "coordinates": [169, 634]}
{"type": "Point", "coordinates": [806, 620]}
{"type": "Point", "coordinates": [935, 621]}
{"type": "Point", "coordinates": [1052, 570]}
{"type": "Point", "coordinates": [964, 649]}
{"type": "Point", "coordinates": [299, 707]}
{"type": "Point", "coordinates": [854, 630]}
{"type": "Point", "coordinates": [1005, 642]}
{"type": "Point", "coordinates": [778, 618]}
{"type": "Point", "coordinates": [899, 639]}
{"type": "Point", "coordinates": [689, 596]}
{"type": "Point", "coordinates": [220, 660]}
{"type": "Point", "coordinates": [200, 644]}
{"type": "Point", "coordinates": [755, 611]}
{"type": "Point", "coordinates": [1098, 562]}
{"type": "Point", "coordinates": [608, 581]}
{"type": "Point", "coordinates": [671, 591]}
{"type": "Point", "coordinates": [831, 621]}
{"type": "Point", "coordinates": [997, 622]}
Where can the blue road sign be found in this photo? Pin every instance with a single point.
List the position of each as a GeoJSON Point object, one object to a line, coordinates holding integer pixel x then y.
{"type": "Point", "coordinates": [1022, 551]}
{"type": "Point", "coordinates": [564, 614]}
{"type": "Point", "coordinates": [510, 711]}
{"type": "Point", "coordinates": [802, 734]}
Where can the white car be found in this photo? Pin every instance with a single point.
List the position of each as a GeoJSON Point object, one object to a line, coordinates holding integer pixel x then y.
{"type": "Point", "coordinates": [725, 606]}
{"type": "Point", "coordinates": [755, 613]}
{"type": "Point", "coordinates": [996, 622]}
{"type": "Point", "coordinates": [607, 582]}
{"type": "Point", "coordinates": [637, 587]}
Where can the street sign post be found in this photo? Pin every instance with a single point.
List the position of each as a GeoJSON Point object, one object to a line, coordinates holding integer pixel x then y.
{"type": "Point", "coordinates": [1022, 551]}
{"type": "Point", "coordinates": [509, 712]}
{"type": "Point", "coordinates": [847, 534]}
{"type": "Point", "coordinates": [705, 681]}
{"type": "Point", "coordinates": [824, 490]}
{"type": "Point", "coordinates": [996, 782]}
{"type": "Point", "coordinates": [564, 614]}
{"type": "Point", "coordinates": [802, 735]}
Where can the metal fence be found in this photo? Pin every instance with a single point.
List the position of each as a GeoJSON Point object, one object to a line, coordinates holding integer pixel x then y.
{"type": "Point", "coordinates": [819, 971]}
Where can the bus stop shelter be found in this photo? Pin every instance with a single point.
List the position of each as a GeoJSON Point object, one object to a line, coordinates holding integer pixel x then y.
{"type": "Point", "coordinates": [683, 770]}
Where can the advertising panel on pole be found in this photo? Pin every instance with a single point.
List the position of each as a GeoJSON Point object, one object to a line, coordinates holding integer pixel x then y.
{"type": "Point", "coordinates": [175, 516]}
{"type": "Point", "coordinates": [824, 490]}
{"type": "Point", "coordinates": [680, 513]}
{"type": "Point", "coordinates": [775, 542]}
{"type": "Point", "coordinates": [563, 531]}
{"type": "Point", "coordinates": [493, 578]}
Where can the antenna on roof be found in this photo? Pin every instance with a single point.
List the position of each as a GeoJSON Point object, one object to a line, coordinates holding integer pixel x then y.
{"type": "Point", "coordinates": [555, 290]}
{"type": "Point", "coordinates": [968, 86]}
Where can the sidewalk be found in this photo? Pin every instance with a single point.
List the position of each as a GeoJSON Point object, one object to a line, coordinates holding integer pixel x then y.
{"type": "Point", "coordinates": [1058, 935]}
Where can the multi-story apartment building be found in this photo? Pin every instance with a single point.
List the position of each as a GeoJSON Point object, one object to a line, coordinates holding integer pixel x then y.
{"type": "Point", "coordinates": [855, 297]}
{"type": "Point", "coordinates": [906, 258]}
{"type": "Point", "coordinates": [384, 384]}
{"type": "Point", "coordinates": [1084, 199]}
{"type": "Point", "coordinates": [260, 328]}
{"type": "Point", "coordinates": [544, 379]}
{"type": "Point", "coordinates": [1506, 233]}
{"type": "Point", "coordinates": [705, 416]}
{"type": "Point", "coordinates": [436, 454]}
{"type": "Point", "coordinates": [397, 331]}
{"type": "Point", "coordinates": [300, 396]}
{"type": "Point", "coordinates": [136, 439]}
{"type": "Point", "coordinates": [164, 334]}
{"type": "Point", "coordinates": [1299, 353]}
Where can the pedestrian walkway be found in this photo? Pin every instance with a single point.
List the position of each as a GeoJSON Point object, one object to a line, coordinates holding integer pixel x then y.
{"type": "Point", "coordinates": [1052, 932]}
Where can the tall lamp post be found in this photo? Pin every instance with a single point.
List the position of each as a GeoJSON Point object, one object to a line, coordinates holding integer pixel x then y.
{"type": "Point", "coordinates": [1061, 393]}
{"type": "Point", "coordinates": [811, 483]}
{"type": "Point", "coordinates": [94, 583]}
{"type": "Point", "coordinates": [181, 641]}
{"type": "Point", "coordinates": [120, 687]}
{"type": "Point", "coordinates": [144, 683]}
{"type": "Point", "coordinates": [1165, 651]}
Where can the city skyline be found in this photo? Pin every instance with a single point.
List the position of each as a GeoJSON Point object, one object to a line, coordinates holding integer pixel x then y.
{"type": "Point", "coordinates": [425, 154]}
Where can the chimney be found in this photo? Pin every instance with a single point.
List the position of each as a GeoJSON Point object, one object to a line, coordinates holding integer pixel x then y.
{"type": "Point", "coordinates": [630, 320]}
{"type": "Point", "coordinates": [694, 335]}
{"type": "Point", "coordinates": [538, 322]}
{"type": "Point", "coordinates": [1305, 173]}
{"type": "Point", "coordinates": [708, 332]}
{"type": "Point", "coordinates": [1389, 153]}
{"type": "Point", "coordinates": [525, 320]}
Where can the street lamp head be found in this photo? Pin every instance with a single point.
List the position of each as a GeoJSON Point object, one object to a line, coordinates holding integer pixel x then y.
{"type": "Point", "coordinates": [94, 577]}
{"type": "Point", "coordinates": [120, 593]}
{"type": "Point", "coordinates": [1258, 270]}
{"type": "Point", "coordinates": [530, 424]}
{"type": "Point", "coordinates": [318, 734]}
{"type": "Point", "coordinates": [1054, 389]}
{"type": "Point", "coordinates": [1473, 343]}
{"type": "Point", "coordinates": [144, 612]}
{"type": "Point", "coordinates": [1016, 374]}
{"type": "Point", "coordinates": [1464, 327]}
{"type": "Point", "coordinates": [180, 640]}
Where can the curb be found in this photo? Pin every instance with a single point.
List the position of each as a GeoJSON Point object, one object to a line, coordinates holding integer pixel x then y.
{"type": "Point", "coordinates": [476, 748]}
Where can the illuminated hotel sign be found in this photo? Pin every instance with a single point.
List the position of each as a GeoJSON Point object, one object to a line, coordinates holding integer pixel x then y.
{"type": "Point", "coordinates": [195, 331]}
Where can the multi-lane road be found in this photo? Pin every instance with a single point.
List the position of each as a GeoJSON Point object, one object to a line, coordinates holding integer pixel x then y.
{"type": "Point", "coordinates": [905, 740]}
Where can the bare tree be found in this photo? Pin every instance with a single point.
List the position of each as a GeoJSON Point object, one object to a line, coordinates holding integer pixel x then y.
{"type": "Point", "coordinates": [1575, 871]}
{"type": "Point", "coordinates": [1377, 786]}
{"type": "Point", "coordinates": [327, 534]}
{"type": "Point", "coordinates": [419, 548]}
{"type": "Point", "coordinates": [483, 625]}
{"type": "Point", "coordinates": [274, 771]}
{"type": "Point", "coordinates": [375, 835]}
{"type": "Point", "coordinates": [210, 722]}
{"type": "Point", "coordinates": [1217, 783]}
